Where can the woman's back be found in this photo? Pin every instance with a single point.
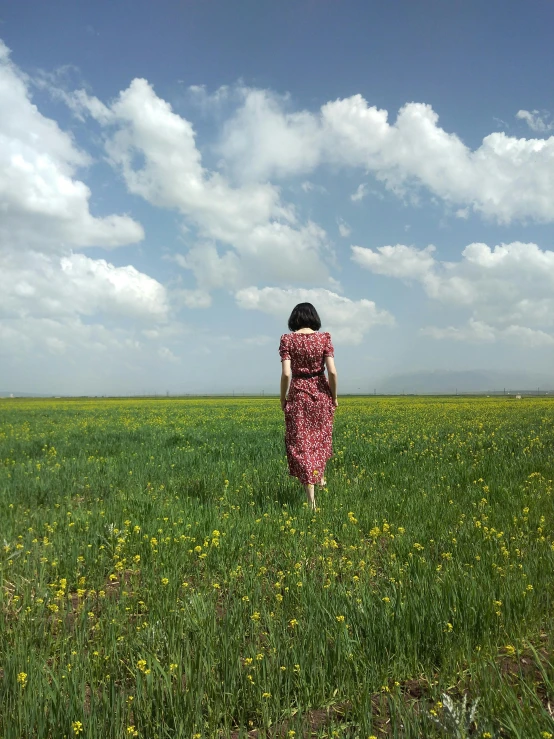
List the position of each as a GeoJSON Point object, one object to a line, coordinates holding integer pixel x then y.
{"type": "Point", "coordinates": [306, 351]}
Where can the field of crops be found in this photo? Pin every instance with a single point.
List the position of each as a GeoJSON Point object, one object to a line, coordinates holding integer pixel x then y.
{"type": "Point", "coordinates": [161, 575]}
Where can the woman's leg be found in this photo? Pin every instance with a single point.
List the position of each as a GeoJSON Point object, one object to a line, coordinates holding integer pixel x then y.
{"type": "Point", "coordinates": [310, 495]}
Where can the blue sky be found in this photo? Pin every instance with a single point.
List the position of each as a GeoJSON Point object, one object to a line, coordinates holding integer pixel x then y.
{"type": "Point", "coordinates": [177, 176]}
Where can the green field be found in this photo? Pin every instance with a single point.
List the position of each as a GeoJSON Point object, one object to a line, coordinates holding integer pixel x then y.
{"type": "Point", "coordinates": [161, 575]}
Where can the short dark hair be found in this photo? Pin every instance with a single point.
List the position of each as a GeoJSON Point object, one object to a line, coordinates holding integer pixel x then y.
{"type": "Point", "coordinates": [304, 315]}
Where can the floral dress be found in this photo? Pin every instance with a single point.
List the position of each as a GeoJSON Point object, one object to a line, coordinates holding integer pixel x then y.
{"type": "Point", "coordinates": [309, 410]}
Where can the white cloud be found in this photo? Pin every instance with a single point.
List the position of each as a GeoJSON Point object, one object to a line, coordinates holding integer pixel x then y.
{"type": "Point", "coordinates": [512, 284]}
{"type": "Point", "coordinates": [344, 228]}
{"type": "Point", "coordinates": [261, 233]}
{"type": "Point", "coordinates": [404, 262]}
{"type": "Point", "coordinates": [347, 320]}
{"type": "Point", "coordinates": [480, 332]}
{"type": "Point", "coordinates": [195, 298]}
{"type": "Point", "coordinates": [165, 353]}
{"type": "Point", "coordinates": [308, 186]}
{"type": "Point", "coordinates": [46, 287]}
{"type": "Point", "coordinates": [535, 121]}
{"type": "Point", "coordinates": [506, 178]}
{"type": "Point", "coordinates": [41, 201]}
{"type": "Point", "coordinates": [475, 331]}
{"type": "Point", "coordinates": [361, 192]}
{"type": "Point", "coordinates": [35, 284]}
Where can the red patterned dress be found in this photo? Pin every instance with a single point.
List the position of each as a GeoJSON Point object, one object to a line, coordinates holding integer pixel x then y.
{"type": "Point", "coordinates": [310, 410]}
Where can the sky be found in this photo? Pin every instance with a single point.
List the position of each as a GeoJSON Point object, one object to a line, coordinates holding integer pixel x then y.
{"type": "Point", "coordinates": [176, 176]}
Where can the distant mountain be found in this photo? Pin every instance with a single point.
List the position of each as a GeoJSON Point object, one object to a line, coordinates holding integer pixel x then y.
{"type": "Point", "coordinates": [468, 381]}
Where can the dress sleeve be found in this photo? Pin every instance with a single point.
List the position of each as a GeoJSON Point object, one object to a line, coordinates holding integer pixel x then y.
{"type": "Point", "coordinates": [284, 348]}
{"type": "Point", "coordinates": [329, 350]}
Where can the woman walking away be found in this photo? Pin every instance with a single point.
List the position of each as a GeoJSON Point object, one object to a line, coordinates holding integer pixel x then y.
{"type": "Point", "coordinates": [307, 398]}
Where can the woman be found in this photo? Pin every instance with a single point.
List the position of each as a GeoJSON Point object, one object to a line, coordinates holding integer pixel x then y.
{"type": "Point", "coordinates": [308, 399]}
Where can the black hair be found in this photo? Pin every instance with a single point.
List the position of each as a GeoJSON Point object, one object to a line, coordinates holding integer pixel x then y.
{"type": "Point", "coordinates": [304, 315]}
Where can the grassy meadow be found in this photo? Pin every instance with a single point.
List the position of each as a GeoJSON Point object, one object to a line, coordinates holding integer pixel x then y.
{"type": "Point", "coordinates": [161, 575]}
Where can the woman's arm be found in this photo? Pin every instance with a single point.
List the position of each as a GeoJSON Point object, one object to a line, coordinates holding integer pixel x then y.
{"type": "Point", "coordinates": [285, 381]}
{"type": "Point", "coordinates": [332, 373]}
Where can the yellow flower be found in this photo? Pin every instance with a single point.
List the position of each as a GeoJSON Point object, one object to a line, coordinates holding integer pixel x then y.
{"type": "Point", "coordinates": [141, 664]}
{"type": "Point", "coordinates": [22, 679]}
{"type": "Point", "coordinates": [132, 731]}
{"type": "Point", "coordinates": [255, 616]}
{"type": "Point", "coordinates": [172, 667]}
{"type": "Point", "coordinates": [165, 581]}
{"type": "Point", "coordinates": [293, 622]}
{"type": "Point", "coordinates": [340, 619]}
{"type": "Point", "coordinates": [77, 727]}
{"type": "Point", "coordinates": [266, 695]}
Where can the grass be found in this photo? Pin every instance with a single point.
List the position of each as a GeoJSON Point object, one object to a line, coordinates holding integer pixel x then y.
{"type": "Point", "coordinates": [161, 575]}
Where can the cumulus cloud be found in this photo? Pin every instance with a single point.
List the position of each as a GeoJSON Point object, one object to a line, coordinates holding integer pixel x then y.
{"type": "Point", "coordinates": [243, 231]}
{"type": "Point", "coordinates": [508, 285]}
{"type": "Point", "coordinates": [45, 285]}
{"type": "Point", "coordinates": [41, 199]}
{"type": "Point", "coordinates": [506, 178]}
{"type": "Point", "coordinates": [347, 320]}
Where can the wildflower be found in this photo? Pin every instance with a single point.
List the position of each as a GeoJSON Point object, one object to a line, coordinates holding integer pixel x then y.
{"type": "Point", "coordinates": [510, 650]}
{"type": "Point", "coordinates": [172, 667]}
{"type": "Point", "coordinates": [266, 695]}
{"type": "Point", "coordinates": [340, 619]}
{"type": "Point", "coordinates": [449, 627]}
{"type": "Point", "coordinates": [141, 664]}
{"type": "Point", "coordinates": [22, 679]}
{"type": "Point", "coordinates": [165, 581]}
{"type": "Point", "coordinates": [255, 616]}
{"type": "Point", "coordinates": [293, 622]}
{"type": "Point", "coordinates": [77, 727]}
{"type": "Point", "coordinates": [132, 731]}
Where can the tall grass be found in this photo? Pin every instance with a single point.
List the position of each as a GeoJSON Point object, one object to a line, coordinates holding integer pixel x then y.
{"type": "Point", "coordinates": [161, 575]}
